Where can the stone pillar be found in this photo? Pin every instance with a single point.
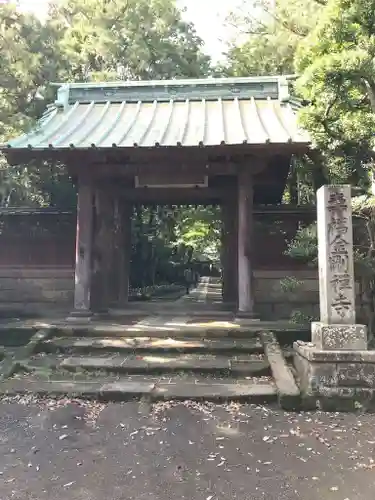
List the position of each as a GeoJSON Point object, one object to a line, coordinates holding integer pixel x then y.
{"type": "Point", "coordinates": [125, 212]}
{"type": "Point", "coordinates": [335, 367]}
{"type": "Point", "coordinates": [336, 272]}
{"type": "Point", "coordinates": [84, 240]}
{"type": "Point", "coordinates": [245, 226]}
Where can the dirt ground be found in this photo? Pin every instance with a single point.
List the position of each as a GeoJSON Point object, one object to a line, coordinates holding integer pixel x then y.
{"type": "Point", "coordinates": [80, 450]}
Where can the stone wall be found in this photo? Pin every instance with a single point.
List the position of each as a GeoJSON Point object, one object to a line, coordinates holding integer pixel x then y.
{"type": "Point", "coordinates": [35, 290]}
{"type": "Point", "coordinates": [45, 289]}
{"type": "Point", "coordinates": [273, 301]}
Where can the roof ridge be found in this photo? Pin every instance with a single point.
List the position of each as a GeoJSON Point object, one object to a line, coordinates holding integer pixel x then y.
{"type": "Point", "coordinates": [175, 82]}
{"type": "Point", "coordinates": [274, 87]}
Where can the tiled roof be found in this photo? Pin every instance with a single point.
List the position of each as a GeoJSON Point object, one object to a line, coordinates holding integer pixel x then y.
{"type": "Point", "coordinates": [166, 114]}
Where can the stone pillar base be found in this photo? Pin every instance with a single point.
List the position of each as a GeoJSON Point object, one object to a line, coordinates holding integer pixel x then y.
{"type": "Point", "coordinates": [335, 380]}
{"type": "Point", "coordinates": [339, 337]}
{"type": "Point", "coordinates": [102, 312]}
{"type": "Point", "coordinates": [246, 315]}
{"type": "Point", "coordinates": [80, 316]}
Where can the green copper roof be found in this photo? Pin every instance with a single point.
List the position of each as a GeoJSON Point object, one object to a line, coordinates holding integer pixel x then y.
{"type": "Point", "coordinates": [205, 112]}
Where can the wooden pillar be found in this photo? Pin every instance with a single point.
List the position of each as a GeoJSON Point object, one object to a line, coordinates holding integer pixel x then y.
{"type": "Point", "coordinates": [104, 247]}
{"type": "Point", "coordinates": [233, 249]}
{"type": "Point", "coordinates": [229, 251]}
{"type": "Point", "coordinates": [125, 213]}
{"type": "Point", "coordinates": [84, 241]}
{"type": "Point", "coordinates": [245, 226]}
{"type": "Point", "coordinates": [224, 253]}
{"type": "Point", "coordinates": [115, 261]}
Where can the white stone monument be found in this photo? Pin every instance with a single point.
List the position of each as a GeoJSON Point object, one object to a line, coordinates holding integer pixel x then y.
{"type": "Point", "coordinates": [336, 369]}
{"type": "Point", "coordinates": [337, 328]}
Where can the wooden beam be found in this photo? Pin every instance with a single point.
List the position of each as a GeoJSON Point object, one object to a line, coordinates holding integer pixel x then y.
{"type": "Point", "coordinates": [85, 156]}
{"type": "Point", "coordinates": [100, 170]}
{"type": "Point", "coordinates": [177, 195]}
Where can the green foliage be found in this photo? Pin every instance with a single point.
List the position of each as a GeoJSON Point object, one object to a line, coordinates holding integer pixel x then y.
{"type": "Point", "coordinates": [336, 63]}
{"type": "Point", "coordinates": [269, 35]}
{"type": "Point", "coordinates": [300, 318]}
{"type": "Point", "coordinates": [200, 229]}
{"type": "Point", "coordinates": [304, 245]}
{"type": "Point", "coordinates": [290, 284]}
{"type": "Point", "coordinates": [28, 61]}
{"type": "Point", "coordinates": [166, 240]}
{"type": "Point", "coordinates": [127, 39]}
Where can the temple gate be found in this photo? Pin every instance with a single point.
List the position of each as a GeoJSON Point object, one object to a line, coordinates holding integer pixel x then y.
{"type": "Point", "coordinates": [211, 141]}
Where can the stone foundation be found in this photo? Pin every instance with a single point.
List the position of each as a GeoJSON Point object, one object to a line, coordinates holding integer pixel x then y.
{"type": "Point", "coordinates": [342, 337]}
{"type": "Point", "coordinates": [335, 379]}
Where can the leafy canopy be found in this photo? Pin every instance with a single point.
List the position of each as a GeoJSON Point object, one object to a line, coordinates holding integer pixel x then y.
{"type": "Point", "coordinates": [127, 39]}
{"type": "Point", "coordinates": [267, 35]}
{"type": "Point", "coordinates": [336, 63]}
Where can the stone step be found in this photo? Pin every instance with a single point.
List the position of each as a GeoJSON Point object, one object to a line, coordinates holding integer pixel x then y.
{"type": "Point", "coordinates": [149, 344]}
{"type": "Point", "coordinates": [166, 328]}
{"type": "Point", "coordinates": [123, 389]}
{"type": "Point", "coordinates": [236, 365]}
{"type": "Point", "coordinates": [288, 390]}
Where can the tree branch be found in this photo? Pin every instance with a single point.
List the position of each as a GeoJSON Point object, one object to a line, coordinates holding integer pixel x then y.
{"type": "Point", "coordinates": [284, 23]}
{"type": "Point", "coordinates": [370, 88]}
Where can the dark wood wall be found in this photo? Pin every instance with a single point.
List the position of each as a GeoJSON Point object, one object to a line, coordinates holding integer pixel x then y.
{"type": "Point", "coordinates": [46, 238]}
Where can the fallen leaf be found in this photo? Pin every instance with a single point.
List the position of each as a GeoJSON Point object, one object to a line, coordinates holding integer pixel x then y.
{"type": "Point", "coordinates": [69, 484]}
